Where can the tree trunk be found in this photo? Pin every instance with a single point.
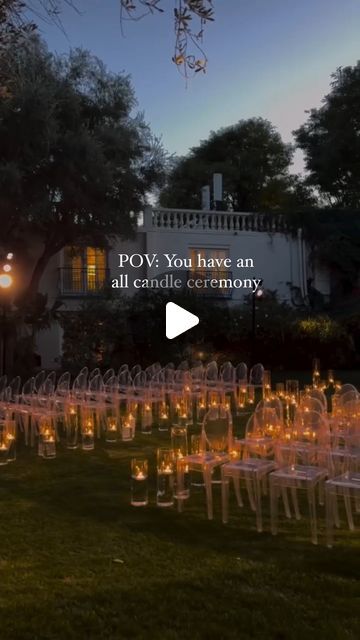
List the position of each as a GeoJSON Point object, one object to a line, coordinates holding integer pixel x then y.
{"type": "Point", "coordinates": [33, 287]}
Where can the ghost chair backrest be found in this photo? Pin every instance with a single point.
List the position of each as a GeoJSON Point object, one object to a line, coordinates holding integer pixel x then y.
{"type": "Point", "coordinates": [228, 373]}
{"type": "Point", "coordinates": [271, 403]}
{"type": "Point", "coordinates": [39, 379]}
{"type": "Point", "coordinates": [217, 430]}
{"type": "Point", "coordinates": [257, 374]}
{"type": "Point", "coordinates": [110, 373]}
{"type": "Point", "coordinates": [319, 395]}
{"type": "Point", "coordinates": [95, 372]}
{"type": "Point", "coordinates": [308, 403]}
{"type": "Point", "coordinates": [63, 384]}
{"type": "Point", "coordinates": [241, 372]}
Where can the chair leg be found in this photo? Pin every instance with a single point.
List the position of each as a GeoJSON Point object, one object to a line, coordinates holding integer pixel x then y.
{"type": "Point", "coordinates": [250, 491]}
{"type": "Point", "coordinates": [264, 485]}
{"type": "Point", "coordinates": [274, 507]}
{"type": "Point", "coordinates": [336, 512]}
{"type": "Point", "coordinates": [357, 504]}
{"type": "Point", "coordinates": [208, 490]}
{"type": "Point", "coordinates": [347, 501]}
{"type": "Point", "coordinates": [321, 492]}
{"type": "Point", "coordinates": [312, 509]}
{"type": "Point", "coordinates": [286, 502]}
{"type": "Point", "coordinates": [225, 498]}
{"type": "Point", "coordinates": [295, 503]}
{"type": "Point", "coordinates": [257, 484]}
{"type": "Point", "coordinates": [331, 510]}
{"type": "Point", "coordinates": [239, 499]}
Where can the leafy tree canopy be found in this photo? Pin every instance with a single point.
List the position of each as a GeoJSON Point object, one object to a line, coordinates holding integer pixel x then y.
{"type": "Point", "coordinates": [330, 140]}
{"type": "Point", "coordinates": [254, 162]}
{"type": "Point", "coordinates": [17, 18]}
{"type": "Point", "coordinates": [74, 160]}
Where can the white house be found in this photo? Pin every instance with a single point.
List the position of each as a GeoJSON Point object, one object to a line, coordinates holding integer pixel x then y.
{"type": "Point", "coordinates": [274, 255]}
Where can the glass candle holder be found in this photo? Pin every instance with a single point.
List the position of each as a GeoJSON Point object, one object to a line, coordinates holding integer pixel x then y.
{"type": "Point", "coordinates": [292, 398]}
{"type": "Point", "coordinates": [47, 447]}
{"type": "Point", "coordinates": [146, 418]}
{"type": "Point", "coordinates": [182, 411]}
{"type": "Point", "coordinates": [4, 445]}
{"type": "Point", "coordinates": [251, 393]}
{"type": "Point", "coordinates": [315, 372]}
{"type": "Point", "coordinates": [266, 386]}
{"type": "Point", "coordinates": [128, 427]}
{"type": "Point", "coordinates": [10, 435]}
{"type": "Point", "coordinates": [280, 390]}
{"type": "Point", "coordinates": [87, 431]}
{"type": "Point", "coordinates": [200, 408]}
{"type": "Point", "coordinates": [197, 449]}
{"type": "Point", "coordinates": [179, 443]}
{"type": "Point", "coordinates": [72, 426]}
{"type": "Point", "coordinates": [242, 395]}
{"type": "Point", "coordinates": [196, 444]}
{"type": "Point", "coordinates": [331, 377]}
{"type": "Point", "coordinates": [165, 478]}
{"type": "Point", "coordinates": [139, 482]}
{"type": "Point", "coordinates": [164, 417]}
{"type": "Point", "coordinates": [111, 433]}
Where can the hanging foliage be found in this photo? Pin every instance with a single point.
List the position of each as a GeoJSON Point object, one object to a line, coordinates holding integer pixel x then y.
{"type": "Point", "coordinates": [190, 18]}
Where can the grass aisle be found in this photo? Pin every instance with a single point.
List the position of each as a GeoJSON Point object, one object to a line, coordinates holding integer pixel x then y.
{"type": "Point", "coordinates": [76, 561]}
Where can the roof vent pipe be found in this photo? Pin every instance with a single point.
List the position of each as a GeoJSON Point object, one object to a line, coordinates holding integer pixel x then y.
{"type": "Point", "coordinates": [217, 190]}
{"type": "Point", "coordinates": [205, 198]}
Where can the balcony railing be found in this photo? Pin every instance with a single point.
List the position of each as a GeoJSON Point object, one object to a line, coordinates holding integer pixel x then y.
{"type": "Point", "coordinates": [205, 290]}
{"type": "Point", "coordinates": [82, 282]}
{"type": "Point", "coordinates": [212, 221]}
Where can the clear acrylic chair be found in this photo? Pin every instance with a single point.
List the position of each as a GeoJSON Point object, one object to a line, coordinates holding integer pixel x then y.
{"type": "Point", "coordinates": [346, 486]}
{"type": "Point", "coordinates": [253, 472]}
{"type": "Point", "coordinates": [216, 443]}
{"type": "Point", "coordinates": [304, 463]}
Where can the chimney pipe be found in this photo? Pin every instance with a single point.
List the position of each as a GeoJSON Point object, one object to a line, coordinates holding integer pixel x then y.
{"type": "Point", "coordinates": [205, 198]}
{"type": "Point", "coordinates": [217, 190]}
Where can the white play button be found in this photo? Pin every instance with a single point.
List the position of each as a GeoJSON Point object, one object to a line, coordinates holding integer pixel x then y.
{"type": "Point", "coordinates": [178, 320]}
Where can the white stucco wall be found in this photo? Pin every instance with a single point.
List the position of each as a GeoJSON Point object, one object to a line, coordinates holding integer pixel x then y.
{"type": "Point", "coordinates": [275, 255]}
{"type": "Point", "coordinates": [278, 260]}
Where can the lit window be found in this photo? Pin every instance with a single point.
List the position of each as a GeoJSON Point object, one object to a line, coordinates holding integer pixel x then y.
{"type": "Point", "coordinates": [85, 269]}
{"type": "Point", "coordinates": [201, 270]}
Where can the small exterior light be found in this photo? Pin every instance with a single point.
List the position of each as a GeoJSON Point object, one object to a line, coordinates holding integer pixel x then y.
{"type": "Point", "coordinates": [7, 268]}
{"type": "Point", "coordinates": [5, 281]}
{"type": "Point", "coordinates": [9, 256]}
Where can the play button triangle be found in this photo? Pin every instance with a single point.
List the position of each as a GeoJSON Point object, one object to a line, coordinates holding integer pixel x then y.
{"type": "Point", "coordinates": [178, 320]}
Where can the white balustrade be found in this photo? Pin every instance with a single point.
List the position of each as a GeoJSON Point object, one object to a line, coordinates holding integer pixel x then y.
{"type": "Point", "coordinates": [227, 221]}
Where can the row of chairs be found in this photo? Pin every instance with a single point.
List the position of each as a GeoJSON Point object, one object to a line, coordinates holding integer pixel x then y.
{"type": "Point", "coordinates": [316, 452]}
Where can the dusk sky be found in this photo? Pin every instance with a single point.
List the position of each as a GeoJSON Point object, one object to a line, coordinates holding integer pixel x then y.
{"type": "Point", "coordinates": [269, 58]}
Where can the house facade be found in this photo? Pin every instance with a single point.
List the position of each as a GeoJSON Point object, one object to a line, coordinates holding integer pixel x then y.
{"type": "Point", "coordinates": [261, 243]}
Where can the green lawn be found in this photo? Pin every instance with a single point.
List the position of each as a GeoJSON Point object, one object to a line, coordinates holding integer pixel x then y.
{"type": "Point", "coordinates": [77, 561]}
